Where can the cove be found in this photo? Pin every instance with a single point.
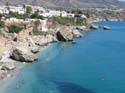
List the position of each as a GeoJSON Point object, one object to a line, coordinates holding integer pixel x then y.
{"type": "Point", "coordinates": [95, 64]}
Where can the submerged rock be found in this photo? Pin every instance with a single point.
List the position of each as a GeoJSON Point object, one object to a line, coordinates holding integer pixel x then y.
{"type": "Point", "coordinates": [73, 42]}
{"type": "Point", "coordinates": [23, 55]}
{"type": "Point", "coordinates": [106, 28]}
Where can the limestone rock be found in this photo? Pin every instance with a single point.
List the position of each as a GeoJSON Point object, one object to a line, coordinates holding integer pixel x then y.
{"type": "Point", "coordinates": [76, 34]}
{"type": "Point", "coordinates": [34, 50]}
{"type": "Point", "coordinates": [95, 27]}
{"type": "Point", "coordinates": [12, 36]}
{"type": "Point", "coordinates": [65, 34]}
{"type": "Point", "coordinates": [8, 66]}
{"type": "Point", "coordinates": [6, 54]}
{"type": "Point", "coordinates": [23, 54]}
{"type": "Point", "coordinates": [44, 39]}
{"type": "Point", "coordinates": [50, 38]}
{"type": "Point", "coordinates": [106, 28]}
{"type": "Point", "coordinates": [40, 40]}
{"type": "Point", "coordinates": [24, 35]}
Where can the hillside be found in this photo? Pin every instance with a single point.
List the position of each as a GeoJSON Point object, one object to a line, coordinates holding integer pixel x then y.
{"type": "Point", "coordinates": [67, 3]}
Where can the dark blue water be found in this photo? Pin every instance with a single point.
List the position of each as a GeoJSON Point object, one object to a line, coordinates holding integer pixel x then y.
{"type": "Point", "coordinates": [96, 64]}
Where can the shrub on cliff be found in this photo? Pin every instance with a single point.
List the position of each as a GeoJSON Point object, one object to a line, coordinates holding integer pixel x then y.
{"type": "Point", "coordinates": [1, 24]}
{"type": "Point", "coordinates": [16, 15]}
{"type": "Point", "coordinates": [14, 29]}
{"type": "Point", "coordinates": [36, 28]}
{"type": "Point", "coordinates": [76, 21]}
{"type": "Point", "coordinates": [36, 15]}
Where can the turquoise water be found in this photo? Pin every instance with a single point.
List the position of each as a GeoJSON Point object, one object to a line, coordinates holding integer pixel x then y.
{"type": "Point", "coordinates": [96, 64]}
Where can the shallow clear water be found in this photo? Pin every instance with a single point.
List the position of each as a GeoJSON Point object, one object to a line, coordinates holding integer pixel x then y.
{"type": "Point", "coordinates": [96, 64]}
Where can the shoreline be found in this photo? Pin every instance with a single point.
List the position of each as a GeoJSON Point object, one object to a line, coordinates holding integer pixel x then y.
{"type": "Point", "coordinates": [30, 46]}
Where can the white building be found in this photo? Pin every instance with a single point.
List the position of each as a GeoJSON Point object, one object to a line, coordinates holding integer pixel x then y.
{"type": "Point", "coordinates": [38, 8]}
{"type": "Point", "coordinates": [3, 10]}
{"type": "Point", "coordinates": [7, 9]}
{"type": "Point", "coordinates": [54, 13]}
{"type": "Point", "coordinates": [18, 9]}
{"type": "Point", "coordinates": [64, 13]}
{"type": "Point", "coordinates": [83, 16]}
{"type": "Point", "coordinates": [70, 15]}
{"type": "Point", "coordinates": [51, 13]}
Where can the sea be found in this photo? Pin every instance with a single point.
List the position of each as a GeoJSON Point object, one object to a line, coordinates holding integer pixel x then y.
{"type": "Point", "coordinates": [95, 64]}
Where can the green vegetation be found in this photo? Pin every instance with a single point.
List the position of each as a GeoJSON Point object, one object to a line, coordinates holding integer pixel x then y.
{"type": "Point", "coordinates": [28, 11]}
{"type": "Point", "coordinates": [1, 24]}
{"type": "Point", "coordinates": [36, 15]}
{"type": "Point", "coordinates": [16, 15]}
{"type": "Point", "coordinates": [14, 29]}
{"type": "Point", "coordinates": [77, 11]}
{"type": "Point", "coordinates": [23, 16]}
{"type": "Point", "coordinates": [1, 15]}
{"type": "Point", "coordinates": [36, 26]}
{"type": "Point", "coordinates": [76, 21]}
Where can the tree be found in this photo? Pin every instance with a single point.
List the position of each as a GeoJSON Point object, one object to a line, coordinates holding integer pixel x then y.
{"type": "Point", "coordinates": [1, 16]}
{"type": "Point", "coordinates": [35, 14]}
{"type": "Point", "coordinates": [28, 11]}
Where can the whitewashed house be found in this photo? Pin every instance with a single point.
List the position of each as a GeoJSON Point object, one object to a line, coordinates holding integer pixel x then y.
{"type": "Point", "coordinates": [18, 9]}
{"type": "Point", "coordinates": [70, 15]}
{"type": "Point", "coordinates": [64, 14]}
{"type": "Point", "coordinates": [38, 8]}
{"type": "Point", "coordinates": [54, 13]}
{"type": "Point", "coordinates": [3, 10]}
{"type": "Point", "coordinates": [83, 16]}
{"type": "Point", "coordinates": [51, 13]}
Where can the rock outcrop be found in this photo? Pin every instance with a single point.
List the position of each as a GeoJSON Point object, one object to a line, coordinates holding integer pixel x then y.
{"type": "Point", "coordinates": [76, 33]}
{"type": "Point", "coordinates": [95, 27]}
{"type": "Point", "coordinates": [6, 54]}
{"type": "Point", "coordinates": [65, 34]}
{"type": "Point", "coordinates": [24, 35]}
{"type": "Point", "coordinates": [8, 65]}
{"type": "Point", "coordinates": [23, 54]}
{"type": "Point", "coordinates": [106, 28]}
{"type": "Point", "coordinates": [35, 50]}
{"type": "Point", "coordinates": [44, 39]}
{"type": "Point", "coordinates": [68, 33]}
